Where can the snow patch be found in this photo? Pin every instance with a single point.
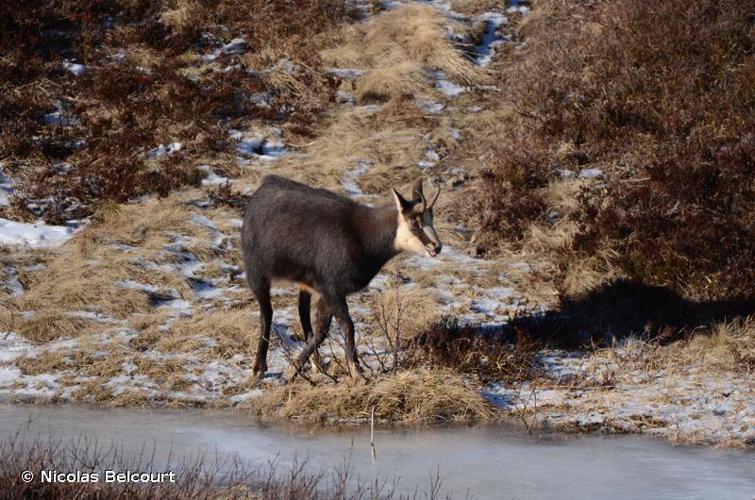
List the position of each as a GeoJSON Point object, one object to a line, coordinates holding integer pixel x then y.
{"type": "Point", "coordinates": [128, 367]}
{"type": "Point", "coordinates": [9, 374]}
{"type": "Point", "coordinates": [212, 178]}
{"type": "Point", "coordinates": [164, 150]}
{"type": "Point", "coordinates": [522, 9]}
{"type": "Point", "coordinates": [485, 50]}
{"type": "Point", "coordinates": [349, 182]}
{"type": "Point", "coordinates": [345, 72]}
{"type": "Point", "coordinates": [13, 346]}
{"type": "Point", "coordinates": [76, 69]}
{"type": "Point", "coordinates": [14, 287]}
{"type": "Point", "coordinates": [260, 147]}
{"type": "Point", "coordinates": [445, 86]}
{"type": "Point", "coordinates": [6, 187]}
{"type": "Point", "coordinates": [431, 158]}
{"type": "Point", "coordinates": [235, 46]}
{"type": "Point", "coordinates": [98, 317]}
{"type": "Point", "coordinates": [590, 173]}
{"type": "Point", "coordinates": [430, 107]}
{"type": "Point", "coordinates": [36, 235]}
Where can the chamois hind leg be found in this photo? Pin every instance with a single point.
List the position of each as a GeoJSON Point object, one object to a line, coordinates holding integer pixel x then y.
{"type": "Point", "coordinates": [341, 312]}
{"type": "Point", "coordinates": [261, 290]}
{"type": "Point", "coordinates": [304, 315]}
{"type": "Point", "coordinates": [324, 317]}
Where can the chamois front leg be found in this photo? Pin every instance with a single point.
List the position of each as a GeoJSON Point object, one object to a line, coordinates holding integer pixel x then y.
{"type": "Point", "coordinates": [347, 324]}
{"type": "Point", "coordinates": [324, 317]}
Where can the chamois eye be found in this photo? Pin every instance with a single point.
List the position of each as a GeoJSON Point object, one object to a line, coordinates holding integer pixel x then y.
{"type": "Point", "coordinates": [415, 224]}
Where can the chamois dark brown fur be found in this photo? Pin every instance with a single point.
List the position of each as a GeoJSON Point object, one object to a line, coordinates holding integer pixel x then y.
{"type": "Point", "coordinates": [325, 244]}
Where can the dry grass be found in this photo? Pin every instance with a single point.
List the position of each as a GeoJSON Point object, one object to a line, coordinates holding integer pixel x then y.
{"type": "Point", "coordinates": [721, 351]}
{"type": "Point", "coordinates": [87, 274]}
{"type": "Point", "coordinates": [44, 362]}
{"type": "Point", "coordinates": [727, 346]}
{"type": "Point", "coordinates": [235, 331]}
{"type": "Point", "coordinates": [91, 359]}
{"type": "Point", "coordinates": [358, 136]}
{"type": "Point", "coordinates": [74, 282]}
{"type": "Point", "coordinates": [147, 225]}
{"type": "Point", "coordinates": [471, 7]}
{"type": "Point", "coordinates": [421, 396]}
{"type": "Point", "coordinates": [404, 79]}
{"type": "Point", "coordinates": [48, 324]}
{"type": "Point", "coordinates": [730, 346]}
{"type": "Point", "coordinates": [405, 313]}
{"type": "Point", "coordinates": [395, 48]}
{"type": "Point", "coordinates": [182, 17]}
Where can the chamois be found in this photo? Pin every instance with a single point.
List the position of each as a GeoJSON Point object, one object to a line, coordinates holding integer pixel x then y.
{"type": "Point", "coordinates": [328, 245]}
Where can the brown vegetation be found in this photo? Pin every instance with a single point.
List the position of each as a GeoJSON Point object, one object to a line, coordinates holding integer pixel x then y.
{"type": "Point", "coordinates": [155, 74]}
{"type": "Point", "coordinates": [491, 357]}
{"type": "Point", "coordinates": [660, 98]}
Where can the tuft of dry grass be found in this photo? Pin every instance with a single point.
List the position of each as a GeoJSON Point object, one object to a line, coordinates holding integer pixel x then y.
{"type": "Point", "coordinates": [148, 225]}
{"type": "Point", "coordinates": [75, 283]}
{"type": "Point", "coordinates": [418, 396]}
{"type": "Point", "coordinates": [471, 7]}
{"type": "Point", "coordinates": [45, 362]}
{"type": "Point", "coordinates": [727, 346]}
{"type": "Point", "coordinates": [386, 145]}
{"type": "Point", "coordinates": [234, 331]}
{"type": "Point", "coordinates": [403, 312]}
{"type": "Point", "coordinates": [395, 48]}
{"type": "Point", "coordinates": [183, 17]}
{"type": "Point", "coordinates": [48, 324]}
{"type": "Point", "coordinates": [404, 79]}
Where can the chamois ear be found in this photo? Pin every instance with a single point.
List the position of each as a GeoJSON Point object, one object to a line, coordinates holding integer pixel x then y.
{"type": "Point", "coordinates": [419, 197]}
{"type": "Point", "coordinates": [435, 198]}
{"type": "Point", "coordinates": [402, 205]}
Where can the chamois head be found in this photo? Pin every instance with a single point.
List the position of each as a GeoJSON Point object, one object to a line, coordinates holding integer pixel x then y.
{"type": "Point", "coordinates": [415, 231]}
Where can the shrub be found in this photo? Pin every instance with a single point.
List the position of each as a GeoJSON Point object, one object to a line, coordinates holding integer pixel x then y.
{"type": "Point", "coordinates": [660, 97]}
{"type": "Point", "coordinates": [72, 141]}
{"type": "Point", "coordinates": [489, 356]}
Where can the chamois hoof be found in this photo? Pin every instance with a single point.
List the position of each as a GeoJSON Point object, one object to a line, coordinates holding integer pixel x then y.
{"type": "Point", "coordinates": [319, 365]}
{"type": "Point", "coordinates": [258, 373]}
{"type": "Point", "coordinates": [289, 374]}
{"type": "Point", "coordinates": [315, 369]}
{"type": "Point", "coordinates": [356, 371]}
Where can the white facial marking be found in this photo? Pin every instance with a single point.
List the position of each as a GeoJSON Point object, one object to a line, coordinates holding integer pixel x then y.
{"type": "Point", "coordinates": [405, 241]}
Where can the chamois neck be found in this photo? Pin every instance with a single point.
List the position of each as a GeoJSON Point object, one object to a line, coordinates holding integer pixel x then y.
{"type": "Point", "coordinates": [377, 228]}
